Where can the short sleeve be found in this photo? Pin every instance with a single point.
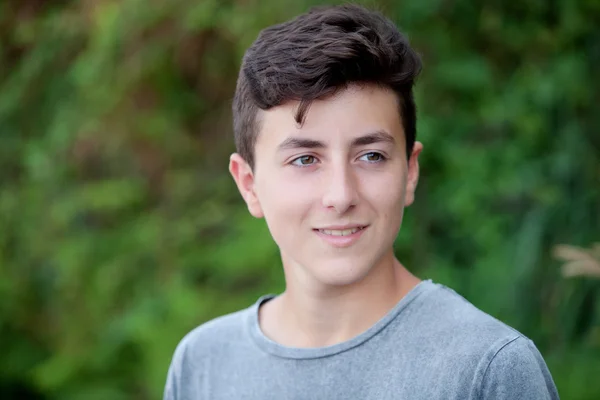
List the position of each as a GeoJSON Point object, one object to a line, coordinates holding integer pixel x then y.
{"type": "Point", "coordinates": [518, 371]}
{"type": "Point", "coordinates": [170, 392]}
{"type": "Point", "coordinates": [180, 378]}
{"type": "Point", "coordinates": [174, 374]}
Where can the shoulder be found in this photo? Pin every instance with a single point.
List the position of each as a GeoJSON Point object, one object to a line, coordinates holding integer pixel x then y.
{"type": "Point", "coordinates": [516, 371]}
{"type": "Point", "coordinates": [193, 354]}
{"type": "Point", "coordinates": [504, 363]}
{"type": "Point", "coordinates": [449, 319]}
{"type": "Point", "coordinates": [211, 337]}
{"type": "Point", "coordinates": [192, 357]}
{"type": "Point", "coordinates": [196, 349]}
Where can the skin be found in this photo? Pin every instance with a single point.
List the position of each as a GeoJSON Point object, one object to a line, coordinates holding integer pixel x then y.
{"type": "Point", "coordinates": [345, 166]}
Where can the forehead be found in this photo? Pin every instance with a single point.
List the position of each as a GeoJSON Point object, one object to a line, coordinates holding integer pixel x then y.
{"type": "Point", "coordinates": [349, 113]}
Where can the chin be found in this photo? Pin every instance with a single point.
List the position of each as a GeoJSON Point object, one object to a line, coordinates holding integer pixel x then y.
{"type": "Point", "coordinates": [341, 272]}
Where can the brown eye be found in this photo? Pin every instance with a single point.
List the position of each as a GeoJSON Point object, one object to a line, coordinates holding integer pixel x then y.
{"type": "Point", "coordinates": [304, 161]}
{"type": "Point", "coordinates": [373, 157]}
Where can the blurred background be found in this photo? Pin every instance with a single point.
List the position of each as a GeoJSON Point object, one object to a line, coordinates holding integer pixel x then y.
{"type": "Point", "coordinates": [121, 230]}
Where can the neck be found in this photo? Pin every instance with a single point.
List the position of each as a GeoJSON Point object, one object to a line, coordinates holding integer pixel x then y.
{"type": "Point", "coordinates": [320, 317]}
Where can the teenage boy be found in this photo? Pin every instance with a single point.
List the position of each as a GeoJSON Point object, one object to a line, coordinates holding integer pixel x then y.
{"type": "Point", "coordinates": [325, 126]}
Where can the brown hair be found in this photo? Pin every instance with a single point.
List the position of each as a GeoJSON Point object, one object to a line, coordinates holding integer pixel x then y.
{"type": "Point", "coordinates": [316, 54]}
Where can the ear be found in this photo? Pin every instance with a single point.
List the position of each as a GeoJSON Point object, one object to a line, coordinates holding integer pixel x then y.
{"type": "Point", "coordinates": [244, 179]}
{"type": "Point", "coordinates": [413, 174]}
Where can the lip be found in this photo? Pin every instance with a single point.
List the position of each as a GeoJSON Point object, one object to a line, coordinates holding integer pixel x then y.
{"type": "Point", "coordinates": [342, 227]}
{"type": "Point", "coordinates": [341, 241]}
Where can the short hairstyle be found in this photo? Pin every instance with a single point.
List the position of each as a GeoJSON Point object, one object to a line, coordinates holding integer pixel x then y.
{"type": "Point", "coordinates": [316, 54]}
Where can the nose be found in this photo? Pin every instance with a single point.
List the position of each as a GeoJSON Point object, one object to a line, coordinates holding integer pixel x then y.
{"type": "Point", "coordinates": [340, 189]}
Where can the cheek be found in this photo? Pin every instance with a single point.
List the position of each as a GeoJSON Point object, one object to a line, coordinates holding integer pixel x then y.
{"type": "Point", "coordinates": [385, 191]}
{"type": "Point", "coordinates": [284, 199]}
{"type": "Point", "coordinates": [385, 195]}
{"type": "Point", "coordinates": [286, 204]}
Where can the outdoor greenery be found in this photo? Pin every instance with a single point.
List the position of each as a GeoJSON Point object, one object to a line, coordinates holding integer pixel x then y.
{"type": "Point", "coordinates": [121, 230]}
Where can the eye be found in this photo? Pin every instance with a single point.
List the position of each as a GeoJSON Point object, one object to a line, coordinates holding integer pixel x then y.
{"type": "Point", "coordinates": [304, 161]}
{"type": "Point", "coordinates": [373, 157]}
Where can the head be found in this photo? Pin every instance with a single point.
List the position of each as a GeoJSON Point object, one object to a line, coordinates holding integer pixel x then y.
{"type": "Point", "coordinates": [325, 127]}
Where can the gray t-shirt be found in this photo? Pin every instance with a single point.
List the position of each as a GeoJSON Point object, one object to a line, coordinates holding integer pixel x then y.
{"type": "Point", "coordinates": [432, 345]}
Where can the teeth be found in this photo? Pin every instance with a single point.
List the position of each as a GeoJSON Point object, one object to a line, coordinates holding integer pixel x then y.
{"type": "Point", "coordinates": [344, 232]}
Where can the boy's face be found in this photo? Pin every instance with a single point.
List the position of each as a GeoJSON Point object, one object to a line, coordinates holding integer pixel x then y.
{"type": "Point", "coordinates": [332, 191]}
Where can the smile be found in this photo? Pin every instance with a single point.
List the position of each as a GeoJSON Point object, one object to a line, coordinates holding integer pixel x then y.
{"type": "Point", "coordinates": [340, 232]}
{"type": "Point", "coordinates": [340, 238]}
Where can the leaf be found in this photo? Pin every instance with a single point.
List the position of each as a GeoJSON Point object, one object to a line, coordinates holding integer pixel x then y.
{"type": "Point", "coordinates": [580, 261]}
{"type": "Point", "coordinates": [581, 268]}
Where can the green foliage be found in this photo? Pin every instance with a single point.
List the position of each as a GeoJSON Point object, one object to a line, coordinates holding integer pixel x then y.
{"type": "Point", "coordinates": [120, 229]}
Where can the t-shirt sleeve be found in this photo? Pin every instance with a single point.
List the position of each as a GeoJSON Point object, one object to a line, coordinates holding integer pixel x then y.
{"type": "Point", "coordinates": [180, 379]}
{"type": "Point", "coordinates": [518, 371]}
{"type": "Point", "coordinates": [170, 392]}
{"type": "Point", "coordinates": [174, 374]}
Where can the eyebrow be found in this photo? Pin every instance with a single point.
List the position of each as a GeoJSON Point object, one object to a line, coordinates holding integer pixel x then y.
{"type": "Point", "coordinates": [375, 137]}
{"type": "Point", "coordinates": [299, 143]}
{"type": "Point", "coordinates": [370, 138]}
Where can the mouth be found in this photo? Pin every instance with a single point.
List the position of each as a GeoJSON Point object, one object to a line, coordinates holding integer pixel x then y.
{"type": "Point", "coordinates": [341, 232]}
{"type": "Point", "coordinates": [342, 236]}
